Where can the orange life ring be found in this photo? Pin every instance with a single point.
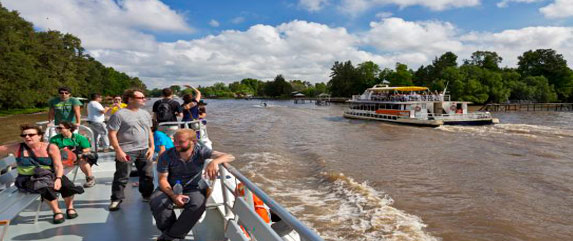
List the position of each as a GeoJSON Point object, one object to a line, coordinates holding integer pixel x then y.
{"type": "Point", "coordinates": [418, 108]}
{"type": "Point", "coordinates": [257, 202]}
{"type": "Point", "coordinates": [453, 107]}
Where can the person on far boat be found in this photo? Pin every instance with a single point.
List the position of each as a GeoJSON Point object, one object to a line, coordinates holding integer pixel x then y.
{"type": "Point", "coordinates": [167, 110]}
{"type": "Point", "coordinates": [96, 120]}
{"type": "Point", "coordinates": [183, 164]}
{"type": "Point", "coordinates": [78, 145]}
{"type": "Point", "coordinates": [116, 105]}
{"type": "Point", "coordinates": [43, 160]}
{"type": "Point", "coordinates": [64, 108]}
{"type": "Point", "coordinates": [132, 139]}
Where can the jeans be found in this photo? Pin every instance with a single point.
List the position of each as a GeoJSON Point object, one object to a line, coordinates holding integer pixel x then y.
{"type": "Point", "coordinates": [123, 169]}
{"type": "Point", "coordinates": [171, 226]}
{"type": "Point", "coordinates": [99, 132]}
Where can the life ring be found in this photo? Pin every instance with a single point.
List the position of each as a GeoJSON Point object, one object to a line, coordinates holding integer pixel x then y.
{"type": "Point", "coordinates": [418, 108]}
{"type": "Point", "coordinates": [453, 107]}
{"type": "Point", "coordinates": [260, 207]}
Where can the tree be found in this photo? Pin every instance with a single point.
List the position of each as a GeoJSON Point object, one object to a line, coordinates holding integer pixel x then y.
{"type": "Point", "coordinates": [369, 72]}
{"type": "Point", "coordinates": [484, 59]}
{"type": "Point", "coordinates": [344, 80]}
{"type": "Point", "coordinates": [547, 63]}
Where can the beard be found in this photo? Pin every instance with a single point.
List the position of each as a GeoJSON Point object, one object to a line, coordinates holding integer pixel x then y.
{"type": "Point", "coordinates": [184, 148]}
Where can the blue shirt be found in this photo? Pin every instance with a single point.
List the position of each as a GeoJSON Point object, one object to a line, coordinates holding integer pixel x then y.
{"type": "Point", "coordinates": [161, 139]}
{"type": "Point", "coordinates": [183, 170]}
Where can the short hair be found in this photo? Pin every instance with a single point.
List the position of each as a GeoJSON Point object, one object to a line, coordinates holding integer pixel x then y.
{"type": "Point", "coordinates": [191, 134]}
{"type": "Point", "coordinates": [94, 96]}
{"type": "Point", "coordinates": [68, 125]}
{"type": "Point", "coordinates": [29, 127]}
{"type": "Point", "coordinates": [202, 110]}
{"type": "Point", "coordinates": [64, 88]}
{"type": "Point", "coordinates": [167, 92]}
{"type": "Point", "coordinates": [129, 93]}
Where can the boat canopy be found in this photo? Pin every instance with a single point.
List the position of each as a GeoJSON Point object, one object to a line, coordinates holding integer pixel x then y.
{"type": "Point", "coordinates": [386, 88]}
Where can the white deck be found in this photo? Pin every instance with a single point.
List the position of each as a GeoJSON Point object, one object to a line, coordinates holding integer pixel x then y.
{"type": "Point", "coordinates": [132, 222]}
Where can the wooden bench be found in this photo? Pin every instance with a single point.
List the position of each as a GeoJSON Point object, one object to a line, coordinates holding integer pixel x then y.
{"type": "Point", "coordinates": [13, 201]}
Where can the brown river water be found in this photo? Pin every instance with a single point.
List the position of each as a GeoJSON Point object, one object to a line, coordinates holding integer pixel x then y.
{"type": "Point", "coordinates": [369, 180]}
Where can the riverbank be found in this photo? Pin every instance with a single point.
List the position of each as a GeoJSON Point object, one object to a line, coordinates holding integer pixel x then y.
{"type": "Point", "coordinates": [6, 113]}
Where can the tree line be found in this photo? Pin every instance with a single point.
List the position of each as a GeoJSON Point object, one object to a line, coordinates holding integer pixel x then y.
{"type": "Point", "coordinates": [541, 75]}
{"type": "Point", "coordinates": [34, 64]}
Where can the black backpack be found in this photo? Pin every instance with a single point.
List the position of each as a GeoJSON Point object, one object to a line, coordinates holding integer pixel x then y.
{"type": "Point", "coordinates": [164, 112]}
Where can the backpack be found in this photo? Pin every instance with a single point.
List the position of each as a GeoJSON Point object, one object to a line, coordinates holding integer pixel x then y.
{"type": "Point", "coordinates": [164, 112]}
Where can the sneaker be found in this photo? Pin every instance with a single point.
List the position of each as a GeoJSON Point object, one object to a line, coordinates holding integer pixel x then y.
{"type": "Point", "coordinates": [114, 205]}
{"type": "Point", "coordinates": [90, 182]}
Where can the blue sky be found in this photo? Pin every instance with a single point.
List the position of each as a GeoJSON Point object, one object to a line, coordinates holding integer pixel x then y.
{"type": "Point", "coordinates": [203, 42]}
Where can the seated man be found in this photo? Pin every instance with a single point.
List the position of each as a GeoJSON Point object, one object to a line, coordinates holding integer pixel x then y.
{"type": "Point", "coordinates": [77, 143]}
{"type": "Point", "coordinates": [183, 164]}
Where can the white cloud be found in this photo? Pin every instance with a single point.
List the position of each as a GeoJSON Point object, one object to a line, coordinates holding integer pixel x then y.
{"type": "Point", "coordinates": [504, 3]}
{"type": "Point", "coordinates": [312, 5]}
{"type": "Point", "coordinates": [105, 23]}
{"type": "Point", "coordinates": [400, 36]}
{"type": "Point", "coordinates": [558, 9]}
{"type": "Point", "coordinates": [384, 14]}
{"type": "Point", "coordinates": [214, 23]}
{"type": "Point", "coordinates": [237, 20]}
{"type": "Point", "coordinates": [354, 7]}
{"type": "Point", "coordinates": [297, 49]}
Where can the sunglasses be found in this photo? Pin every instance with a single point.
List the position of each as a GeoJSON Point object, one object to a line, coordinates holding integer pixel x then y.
{"type": "Point", "coordinates": [29, 135]}
{"type": "Point", "coordinates": [139, 98]}
{"type": "Point", "coordinates": [64, 93]}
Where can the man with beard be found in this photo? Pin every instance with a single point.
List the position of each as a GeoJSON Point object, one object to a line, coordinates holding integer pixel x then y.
{"type": "Point", "coordinates": [183, 164]}
{"type": "Point", "coordinates": [132, 139]}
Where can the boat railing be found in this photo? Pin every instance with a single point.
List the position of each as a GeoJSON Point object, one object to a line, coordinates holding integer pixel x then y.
{"type": "Point", "coordinates": [473, 115]}
{"type": "Point", "coordinates": [404, 98]}
{"type": "Point", "coordinates": [303, 231]}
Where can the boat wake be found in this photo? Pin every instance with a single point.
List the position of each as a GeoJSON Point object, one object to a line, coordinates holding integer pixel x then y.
{"type": "Point", "coordinates": [524, 130]}
{"type": "Point", "coordinates": [338, 207]}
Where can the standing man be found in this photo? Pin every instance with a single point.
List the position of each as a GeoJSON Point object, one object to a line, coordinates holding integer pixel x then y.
{"type": "Point", "coordinates": [183, 164]}
{"type": "Point", "coordinates": [131, 137]}
{"type": "Point", "coordinates": [167, 110]}
{"type": "Point", "coordinates": [64, 108]}
{"type": "Point", "coordinates": [96, 120]}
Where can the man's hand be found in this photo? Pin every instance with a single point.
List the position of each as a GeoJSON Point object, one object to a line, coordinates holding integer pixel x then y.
{"type": "Point", "coordinates": [187, 86]}
{"type": "Point", "coordinates": [121, 156]}
{"type": "Point", "coordinates": [180, 200]}
{"type": "Point", "coordinates": [149, 153]}
{"type": "Point", "coordinates": [57, 184]}
{"type": "Point", "coordinates": [212, 169]}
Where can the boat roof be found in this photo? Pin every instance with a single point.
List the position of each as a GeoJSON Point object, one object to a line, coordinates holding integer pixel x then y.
{"type": "Point", "coordinates": [385, 88]}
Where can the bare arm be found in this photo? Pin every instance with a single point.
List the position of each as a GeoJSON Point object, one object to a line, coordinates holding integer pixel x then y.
{"type": "Point", "coordinates": [77, 114]}
{"type": "Point", "coordinates": [54, 153]}
{"type": "Point", "coordinates": [197, 94]}
{"type": "Point", "coordinates": [166, 188]}
{"type": "Point", "coordinates": [119, 154]}
{"type": "Point", "coordinates": [218, 158]}
{"type": "Point", "coordinates": [9, 149]}
{"type": "Point", "coordinates": [150, 150]}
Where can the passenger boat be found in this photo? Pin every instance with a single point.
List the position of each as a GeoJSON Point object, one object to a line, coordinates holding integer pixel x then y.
{"type": "Point", "coordinates": [229, 215]}
{"type": "Point", "coordinates": [413, 105]}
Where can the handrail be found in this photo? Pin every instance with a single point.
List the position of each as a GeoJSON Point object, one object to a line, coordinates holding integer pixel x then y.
{"type": "Point", "coordinates": [305, 232]}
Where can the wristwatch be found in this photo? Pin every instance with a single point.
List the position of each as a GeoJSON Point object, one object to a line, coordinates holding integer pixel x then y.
{"type": "Point", "coordinates": [58, 177]}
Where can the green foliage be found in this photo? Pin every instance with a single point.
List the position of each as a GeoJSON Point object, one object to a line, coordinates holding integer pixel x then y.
{"type": "Point", "coordinates": [34, 64]}
{"type": "Point", "coordinates": [547, 63]}
{"type": "Point", "coordinates": [345, 80]}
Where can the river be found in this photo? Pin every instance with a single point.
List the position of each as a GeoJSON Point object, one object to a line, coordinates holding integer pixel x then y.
{"type": "Point", "coordinates": [369, 180]}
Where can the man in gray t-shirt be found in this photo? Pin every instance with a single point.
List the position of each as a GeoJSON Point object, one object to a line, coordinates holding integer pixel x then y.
{"type": "Point", "coordinates": [131, 137]}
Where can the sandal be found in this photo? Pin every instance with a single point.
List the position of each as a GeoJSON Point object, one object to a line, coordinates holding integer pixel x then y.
{"type": "Point", "coordinates": [71, 215]}
{"type": "Point", "coordinates": [59, 220]}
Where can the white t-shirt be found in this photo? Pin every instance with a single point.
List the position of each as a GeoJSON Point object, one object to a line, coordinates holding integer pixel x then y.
{"type": "Point", "coordinates": [95, 112]}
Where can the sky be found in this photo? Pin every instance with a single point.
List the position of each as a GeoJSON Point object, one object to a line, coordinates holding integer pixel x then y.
{"type": "Point", "coordinates": [201, 42]}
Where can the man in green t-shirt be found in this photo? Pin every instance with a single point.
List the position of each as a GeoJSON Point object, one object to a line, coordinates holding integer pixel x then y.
{"type": "Point", "coordinates": [67, 138]}
{"type": "Point", "coordinates": [64, 108]}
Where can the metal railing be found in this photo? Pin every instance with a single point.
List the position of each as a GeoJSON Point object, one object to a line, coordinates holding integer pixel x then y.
{"type": "Point", "coordinates": [305, 232]}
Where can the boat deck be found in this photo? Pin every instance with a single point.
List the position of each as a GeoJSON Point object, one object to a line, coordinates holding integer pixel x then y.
{"type": "Point", "coordinates": [132, 222]}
